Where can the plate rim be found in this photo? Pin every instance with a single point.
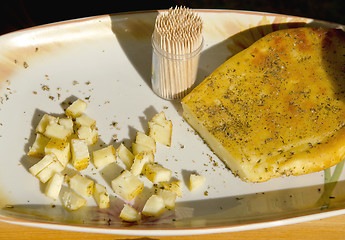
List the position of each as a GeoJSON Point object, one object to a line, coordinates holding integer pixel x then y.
{"type": "Point", "coordinates": [178, 231]}
{"type": "Point", "coordinates": [162, 231]}
{"type": "Point", "coordinates": [201, 10]}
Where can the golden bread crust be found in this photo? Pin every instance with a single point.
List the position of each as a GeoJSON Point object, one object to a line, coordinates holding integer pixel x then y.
{"type": "Point", "coordinates": [276, 108]}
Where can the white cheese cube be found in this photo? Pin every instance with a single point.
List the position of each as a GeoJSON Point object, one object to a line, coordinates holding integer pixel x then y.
{"type": "Point", "coordinates": [154, 206]}
{"type": "Point", "coordinates": [161, 134]}
{"type": "Point", "coordinates": [174, 186]}
{"type": "Point", "coordinates": [67, 123]}
{"type": "Point", "coordinates": [76, 108]}
{"type": "Point", "coordinates": [139, 162]}
{"type": "Point", "coordinates": [60, 148]}
{"type": "Point", "coordinates": [147, 141]}
{"type": "Point", "coordinates": [37, 148]}
{"type": "Point", "coordinates": [125, 155]}
{"type": "Point", "coordinates": [160, 118]}
{"type": "Point", "coordinates": [88, 134]}
{"type": "Point", "coordinates": [45, 120]}
{"type": "Point", "coordinates": [49, 171]}
{"type": "Point", "coordinates": [80, 154]}
{"type": "Point", "coordinates": [138, 148]}
{"type": "Point", "coordinates": [156, 173]}
{"type": "Point", "coordinates": [160, 129]}
{"type": "Point", "coordinates": [55, 130]}
{"type": "Point", "coordinates": [81, 185]}
{"type": "Point", "coordinates": [43, 163]}
{"type": "Point", "coordinates": [127, 185]}
{"type": "Point", "coordinates": [46, 168]}
{"type": "Point", "coordinates": [129, 214]}
{"type": "Point", "coordinates": [101, 196]}
{"type": "Point", "coordinates": [54, 185]}
{"type": "Point", "coordinates": [168, 197]}
{"type": "Point", "coordinates": [72, 201]}
{"type": "Point", "coordinates": [195, 181]}
{"type": "Point", "coordinates": [84, 120]}
{"type": "Point", "coordinates": [104, 156]}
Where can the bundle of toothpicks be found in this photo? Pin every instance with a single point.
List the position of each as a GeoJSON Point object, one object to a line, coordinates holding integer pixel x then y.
{"type": "Point", "coordinates": [177, 43]}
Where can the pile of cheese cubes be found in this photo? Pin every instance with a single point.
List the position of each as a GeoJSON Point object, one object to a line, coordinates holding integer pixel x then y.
{"type": "Point", "coordinates": [63, 140]}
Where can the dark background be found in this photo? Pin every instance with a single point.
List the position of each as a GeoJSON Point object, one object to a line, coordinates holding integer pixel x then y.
{"type": "Point", "coordinates": [19, 14]}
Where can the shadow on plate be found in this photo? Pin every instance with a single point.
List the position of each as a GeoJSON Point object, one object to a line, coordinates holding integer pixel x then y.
{"type": "Point", "coordinates": [134, 36]}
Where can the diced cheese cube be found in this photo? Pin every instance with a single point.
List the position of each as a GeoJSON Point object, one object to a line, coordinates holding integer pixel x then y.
{"type": "Point", "coordinates": [43, 163]}
{"type": "Point", "coordinates": [160, 118]}
{"type": "Point", "coordinates": [125, 155]}
{"type": "Point", "coordinates": [45, 120]}
{"type": "Point", "coordinates": [37, 148]}
{"type": "Point", "coordinates": [67, 123]}
{"type": "Point", "coordinates": [195, 181]}
{"type": "Point", "coordinates": [101, 196]}
{"type": "Point", "coordinates": [46, 167]}
{"type": "Point", "coordinates": [174, 186]}
{"type": "Point", "coordinates": [84, 120]}
{"type": "Point", "coordinates": [168, 197]}
{"type": "Point", "coordinates": [88, 134]}
{"type": "Point", "coordinates": [49, 172]}
{"type": "Point", "coordinates": [76, 108]}
{"type": "Point", "coordinates": [139, 162]}
{"type": "Point", "coordinates": [161, 134]}
{"type": "Point", "coordinates": [80, 154]}
{"type": "Point", "coordinates": [55, 130]}
{"type": "Point", "coordinates": [72, 201]}
{"type": "Point", "coordinates": [160, 129]}
{"type": "Point", "coordinates": [156, 173]}
{"type": "Point", "coordinates": [104, 156]}
{"type": "Point", "coordinates": [127, 185]}
{"type": "Point", "coordinates": [129, 214]}
{"type": "Point", "coordinates": [138, 148]}
{"type": "Point", "coordinates": [54, 185]}
{"type": "Point", "coordinates": [81, 185]}
{"type": "Point", "coordinates": [60, 148]}
{"type": "Point", "coordinates": [147, 141]}
{"type": "Point", "coordinates": [154, 206]}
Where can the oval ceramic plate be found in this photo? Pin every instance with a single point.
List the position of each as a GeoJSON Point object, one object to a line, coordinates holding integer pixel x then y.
{"type": "Point", "coordinates": [106, 61]}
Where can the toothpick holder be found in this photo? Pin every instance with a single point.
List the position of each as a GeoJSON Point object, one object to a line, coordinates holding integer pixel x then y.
{"type": "Point", "coordinates": [173, 75]}
{"type": "Point", "coordinates": [176, 46]}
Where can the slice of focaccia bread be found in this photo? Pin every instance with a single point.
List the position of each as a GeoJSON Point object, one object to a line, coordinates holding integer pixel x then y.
{"type": "Point", "coordinates": [276, 108]}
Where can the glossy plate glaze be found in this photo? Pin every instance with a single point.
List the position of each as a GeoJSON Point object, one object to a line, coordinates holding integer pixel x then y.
{"type": "Point", "coordinates": [106, 61]}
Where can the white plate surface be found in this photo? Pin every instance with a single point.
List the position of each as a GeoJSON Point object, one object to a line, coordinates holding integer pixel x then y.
{"type": "Point", "coordinates": [106, 61]}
